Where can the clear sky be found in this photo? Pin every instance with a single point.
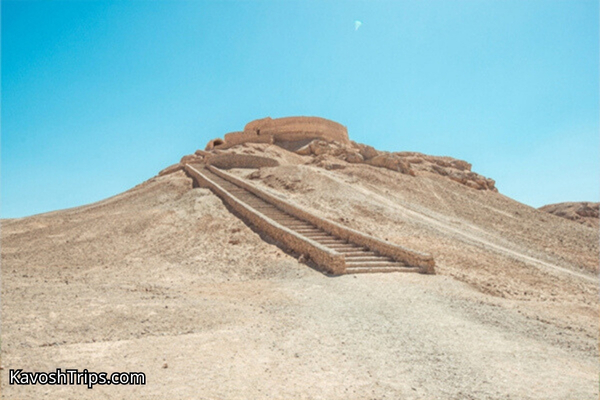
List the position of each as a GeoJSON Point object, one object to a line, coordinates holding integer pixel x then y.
{"type": "Point", "coordinates": [99, 96]}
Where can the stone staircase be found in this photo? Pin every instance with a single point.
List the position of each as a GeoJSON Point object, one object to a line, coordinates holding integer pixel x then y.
{"type": "Point", "coordinates": [307, 237]}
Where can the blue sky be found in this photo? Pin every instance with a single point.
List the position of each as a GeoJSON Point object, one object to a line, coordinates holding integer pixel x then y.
{"type": "Point", "coordinates": [99, 96]}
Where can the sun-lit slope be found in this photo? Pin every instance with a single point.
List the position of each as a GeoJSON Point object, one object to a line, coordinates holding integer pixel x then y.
{"type": "Point", "coordinates": [413, 210]}
{"type": "Point", "coordinates": [165, 279]}
{"type": "Point", "coordinates": [499, 245]}
{"type": "Point", "coordinates": [582, 212]}
{"type": "Point", "coordinates": [160, 231]}
{"type": "Point", "coordinates": [162, 219]}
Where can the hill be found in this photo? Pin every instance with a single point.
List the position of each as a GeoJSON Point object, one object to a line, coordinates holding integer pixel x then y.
{"type": "Point", "coordinates": [165, 279]}
{"type": "Point", "coordinates": [582, 212]}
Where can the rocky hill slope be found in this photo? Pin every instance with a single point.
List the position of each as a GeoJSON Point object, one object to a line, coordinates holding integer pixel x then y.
{"type": "Point", "coordinates": [165, 279]}
{"type": "Point", "coordinates": [583, 212]}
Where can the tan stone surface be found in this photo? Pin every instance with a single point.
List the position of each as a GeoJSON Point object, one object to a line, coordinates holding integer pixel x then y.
{"type": "Point", "coordinates": [308, 127]}
{"type": "Point", "coordinates": [192, 158]}
{"type": "Point", "coordinates": [170, 169]}
{"type": "Point", "coordinates": [391, 161]}
{"type": "Point", "coordinates": [202, 153]}
{"type": "Point", "coordinates": [366, 151]}
{"type": "Point", "coordinates": [290, 129]}
{"type": "Point", "coordinates": [233, 160]}
{"type": "Point", "coordinates": [583, 212]}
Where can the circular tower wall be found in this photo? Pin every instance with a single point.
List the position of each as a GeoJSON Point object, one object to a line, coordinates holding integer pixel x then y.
{"type": "Point", "coordinates": [293, 129]}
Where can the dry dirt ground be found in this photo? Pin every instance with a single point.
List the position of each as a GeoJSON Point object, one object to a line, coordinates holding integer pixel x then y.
{"type": "Point", "coordinates": [164, 279]}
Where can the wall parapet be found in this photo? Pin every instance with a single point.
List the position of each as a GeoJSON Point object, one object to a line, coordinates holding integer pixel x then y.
{"type": "Point", "coordinates": [268, 130]}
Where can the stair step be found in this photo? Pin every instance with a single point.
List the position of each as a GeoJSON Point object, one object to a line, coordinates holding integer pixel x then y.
{"type": "Point", "coordinates": [373, 264]}
{"type": "Point", "coordinates": [344, 248]}
{"type": "Point", "coordinates": [285, 219]}
{"type": "Point", "coordinates": [368, 259]}
{"type": "Point", "coordinates": [279, 218]}
{"type": "Point", "coordinates": [286, 223]}
{"type": "Point", "coordinates": [363, 253]}
{"type": "Point", "coordinates": [365, 270]}
{"type": "Point", "coordinates": [331, 241]}
{"type": "Point", "coordinates": [348, 245]}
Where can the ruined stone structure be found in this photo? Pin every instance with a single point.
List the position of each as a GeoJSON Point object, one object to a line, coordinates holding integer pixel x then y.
{"type": "Point", "coordinates": [289, 133]}
{"type": "Point", "coordinates": [325, 144]}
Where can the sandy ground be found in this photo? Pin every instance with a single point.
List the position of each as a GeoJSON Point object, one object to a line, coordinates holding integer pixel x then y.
{"type": "Point", "coordinates": [164, 279]}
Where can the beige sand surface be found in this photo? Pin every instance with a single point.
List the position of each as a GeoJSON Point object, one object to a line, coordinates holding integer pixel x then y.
{"type": "Point", "coordinates": [164, 279]}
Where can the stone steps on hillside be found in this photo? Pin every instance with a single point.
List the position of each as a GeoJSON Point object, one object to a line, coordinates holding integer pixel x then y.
{"type": "Point", "coordinates": [357, 258]}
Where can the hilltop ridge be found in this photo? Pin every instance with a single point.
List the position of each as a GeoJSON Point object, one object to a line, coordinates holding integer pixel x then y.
{"type": "Point", "coordinates": [583, 212]}
{"type": "Point", "coordinates": [327, 143]}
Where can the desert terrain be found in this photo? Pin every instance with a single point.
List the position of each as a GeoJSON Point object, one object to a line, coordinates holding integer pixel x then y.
{"type": "Point", "coordinates": [164, 279]}
{"type": "Point", "coordinates": [583, 212]}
